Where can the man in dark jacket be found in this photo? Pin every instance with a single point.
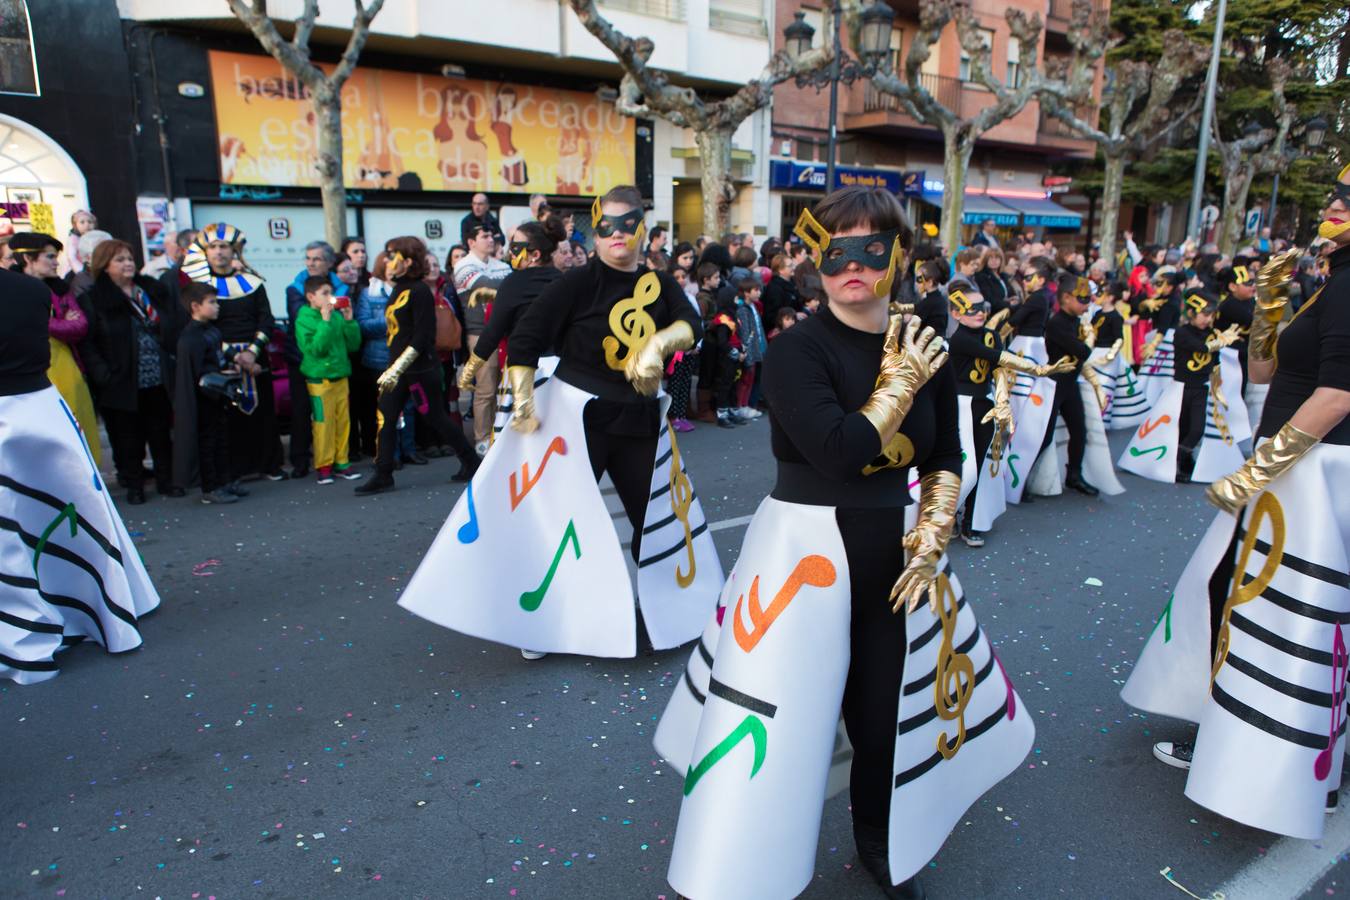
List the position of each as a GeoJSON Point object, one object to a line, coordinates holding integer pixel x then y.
{"type": "Point", "coordinates": [480, 217]}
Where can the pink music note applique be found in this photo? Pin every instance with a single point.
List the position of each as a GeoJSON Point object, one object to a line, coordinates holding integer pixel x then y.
{"type": "Point", "coordinates": [1340, 661]}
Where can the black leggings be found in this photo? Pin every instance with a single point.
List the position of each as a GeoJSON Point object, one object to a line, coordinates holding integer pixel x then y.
{"type": "Point", "coordinates": [984, 434]}
{"type": "Point", "coordinates": [618, 443]}
{"type": "Point", "coordinates": [1191, 427]}
{"type": "Point", "coordinates": [391, 405]}
{"type": "Point", "coordinates": [130, 432]}
{"type": "Point", "coordinates": [1068, 404]}
{"type": "Point", "coordinates": [877, 656]}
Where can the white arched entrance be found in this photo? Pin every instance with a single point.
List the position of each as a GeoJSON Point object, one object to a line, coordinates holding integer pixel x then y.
{"type": "Point", "coordinates": [30, 160]}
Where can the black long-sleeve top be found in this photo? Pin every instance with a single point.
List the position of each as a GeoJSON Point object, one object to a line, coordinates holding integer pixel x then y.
{"type": "Point", "coordinates": [1110, 327]}
{"type": "Point", "coordinates": [25, 353]}
{"type": "Point", "coordinates": [778, 293]}
{"type": "Point", "coordinates": [411, 319]}
{"type": "Point", "coordinates": [972, 355]}
{"type": "Point", "coordinates": [817, 376]}
{"type": "Point", "coordinates": [1168, 317]}
{"type": "Point", "coordinates": [932, 311]}
{"type": "Point", "coordinates": [514, 296]}
{"type": "Point", "coordinates": [1061, 339]}
{"type": "Point", "coordinates": [572, 314]}
{"type": "Point", "coordinates": [992, 289]}
{"type": "Point", "coordinates": [247, 320]}
{"type": "Point", "coordinates": [1193, 361]}
{"type": "Point", "coordinates": [1233, 311]}
{"type": "Point", "coordinates": [1313, 351]}
{"type": "Point", "coordinates": [1029, 318]}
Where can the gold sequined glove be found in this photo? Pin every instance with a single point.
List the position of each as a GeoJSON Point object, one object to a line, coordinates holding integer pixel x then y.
{"type": "Point", "coordinates": [645, 367]}
{"type": "Point", "coordinates": [1272, 459]}
{"type": "Point", "coordinates": [1090, 376]}
{"type": "Point", "coordinates": [997, 319]}
{"type": "Point", "coordinates": [521, 379]}
{"type": "Point", "coordinates": [927, 541]}
{"type": "Point", "coordinates": [1226, 338]}
{"type": "Point", "coordinates": [1114, 351]}
{"type": "Point", "coordinates": [388, 379]}
{"type": "Point", "coordinates": [1153, 304]}
{"type": "Point", "coordinates": [1272, 296]}
{"type": "Point", "coordinates": [1154, 342]}
{"type": "Point", "coordinates": [470, 372]}
{"type": "Point", "coordinates": [1028, 366]}
{"type": "Point", "coordinates": [906, 365]}
{"type": "Point", "coordinates": [1001, 414]}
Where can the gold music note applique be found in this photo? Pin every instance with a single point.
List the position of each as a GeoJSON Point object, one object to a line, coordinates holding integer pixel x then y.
{"type": "Point", "coordinates": [629, 323]}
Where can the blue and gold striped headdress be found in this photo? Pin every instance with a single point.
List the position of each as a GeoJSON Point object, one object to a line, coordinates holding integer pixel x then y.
{"type": "Point", "coordinates": [195, 266]}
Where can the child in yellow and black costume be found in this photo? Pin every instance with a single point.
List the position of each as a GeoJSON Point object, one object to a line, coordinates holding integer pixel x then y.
{"type": "Point", "coordinates": [1197, 347]}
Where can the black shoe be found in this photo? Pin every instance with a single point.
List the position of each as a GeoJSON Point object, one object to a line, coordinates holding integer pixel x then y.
{"type": "Point", "coordinates": [299, 471]}
{"type": "Point", "coordinates": [1333, 798]}
{"type": "Point", "coordinates": [1076, 482]}
{"type": "Point", "coordinates": [466, 471]}
{"type": "Point", "coordinates": [170, 491]}
{"type": "Point", "coordinates": [135, 496]}
{"type": "Point", "coordinates": [376, 484]}
{"type": "Point", "coordinates": [278, 475]}
{"type": "Point", "coordinates": [416, 459]}
{"type": "Point", "coordinates": [398, 465]}
{"type": "Point", "coordinates": [874, 853]}
{"type": "Point", "coordinates": [437, 452]}
{"type": "Point", "coordinates": [1183, 478]}
{"type": "Point", "coordinates": [219, 496]}
{"type": "Point", "coordinates": [234, 487]}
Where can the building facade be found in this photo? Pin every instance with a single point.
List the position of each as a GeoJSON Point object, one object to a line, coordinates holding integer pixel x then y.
{"type": "Point", "coordinates": [160, 114]}
{"type": "Point", "coordinates": [1009, 179]}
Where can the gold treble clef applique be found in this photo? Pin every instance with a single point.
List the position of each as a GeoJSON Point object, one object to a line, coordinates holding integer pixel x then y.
{"type": "Point", "coordinates": [629, 322]}
{"type": "Point", "coordinates": [980, 371]}
{"type": "Point", "coordinates": [955, 676]}
{"type": "Point", "coordinates": [1267, 506]}
{"type": "Point", "coordinates": [681, 499]}
{"type": "Point", "coordinates": [1198, 361]}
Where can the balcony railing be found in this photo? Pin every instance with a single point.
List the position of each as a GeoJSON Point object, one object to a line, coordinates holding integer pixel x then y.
{"type": "Point", "coordinates": [945, 90]}
{"type": "Point", "coordinates": [738, 17]}
{"type": "Point", "coordinates": [660, 9]}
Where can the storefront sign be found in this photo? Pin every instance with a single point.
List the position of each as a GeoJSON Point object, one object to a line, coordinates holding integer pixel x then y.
{"type": "Point", "coordinates": [788, 175]}
{"type": "Point", "coordinates": [413, 131]}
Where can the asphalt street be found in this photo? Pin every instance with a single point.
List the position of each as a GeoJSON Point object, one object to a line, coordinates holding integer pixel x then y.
{"type": "Point", "coordinates": [288, 731]}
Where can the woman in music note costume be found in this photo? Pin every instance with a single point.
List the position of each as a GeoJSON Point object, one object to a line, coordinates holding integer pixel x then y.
{"type": "Point", "coordinates": [841, 602]}
{"type": "Point", "coordinates": [1187, 436]}
{"type": "Point", "coordinates": [531, 549]}
{"type": "Point", "coordinates": [1252, 646]}
{"type": "Point", "coordinates": [68, 569]}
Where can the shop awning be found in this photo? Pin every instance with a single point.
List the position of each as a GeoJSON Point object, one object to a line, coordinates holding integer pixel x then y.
{"type": "Point", "coordinates": [1046, 213]}
{"type": "Point", "coordinates": [977, 208]}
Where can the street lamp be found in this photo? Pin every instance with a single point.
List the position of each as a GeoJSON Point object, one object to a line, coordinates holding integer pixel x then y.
{"type": "Point", "coordinates": [1314, 132]}
{"type": "Point", "coordinates": [874, 48]}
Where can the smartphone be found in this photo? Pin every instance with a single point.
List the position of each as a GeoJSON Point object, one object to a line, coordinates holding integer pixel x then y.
{"type": "Point", "coordinates": [341, 302]}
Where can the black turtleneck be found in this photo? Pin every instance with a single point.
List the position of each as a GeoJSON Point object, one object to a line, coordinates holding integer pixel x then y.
{"type": "Point", "coordinates": [1061, 339]}
{"type": "Point", "coordinates": [1312, 352]}
{"type": "Point", "coordinates": [974, 353]}
{"type": "Point", "coordinates": [514, 296]}
{"type": "Point", "coordinates": [1192, 360]}
{"type": "Point", "coordinates": [572, 315]}
{"type": "Point", "coordinates": [1233, 311]}
{"type": "Point", "coordinates": [1110, 326]}
{"type": "Point", "coordinates": [932, 311]}
{"type": "Point", "coordinates": [24, 351]}
{"type": "Point", "coordinates": [817, 375]}
{"type": "Point", "coordinates": [1029, 318]}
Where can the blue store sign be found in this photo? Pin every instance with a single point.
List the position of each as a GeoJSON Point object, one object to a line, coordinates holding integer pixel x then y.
{"type": "Point", "coordinates": [786, 174]}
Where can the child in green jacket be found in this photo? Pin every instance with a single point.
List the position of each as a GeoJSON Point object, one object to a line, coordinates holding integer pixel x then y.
{"type": "Point", "coordinates": [327, 336]}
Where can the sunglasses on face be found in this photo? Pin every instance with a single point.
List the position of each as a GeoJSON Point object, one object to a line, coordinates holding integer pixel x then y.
{"type": "Point", "coordinates": [871, 251]}
{"type": "Point", "coordinates": [628, 223]}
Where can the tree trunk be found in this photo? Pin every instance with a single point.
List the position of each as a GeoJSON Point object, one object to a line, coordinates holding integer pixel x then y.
{"type": "Point", "coordinates": [714, 151]}
{"type": "Point", "coordinates": [1237, 184]}
{"type": "Point", "coordinates": [956, 151]}
{"type": "Point", "coordinates": [1111, 188]}
{"type": "Point", "coordinates": [328, 112]}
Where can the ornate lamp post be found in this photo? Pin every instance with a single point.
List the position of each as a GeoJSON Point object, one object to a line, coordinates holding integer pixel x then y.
{"type": "Point", "coordinates": [874, 47]}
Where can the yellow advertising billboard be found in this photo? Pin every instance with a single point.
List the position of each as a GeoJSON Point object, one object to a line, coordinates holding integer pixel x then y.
{"type": "Point", "coordinates": [414, 131]}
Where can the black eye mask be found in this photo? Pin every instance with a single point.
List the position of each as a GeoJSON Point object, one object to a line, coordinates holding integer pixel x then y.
{"type": "Point", "coordinates": [871, 251]}
{"type": "Point", "coordinates": [628, 223]}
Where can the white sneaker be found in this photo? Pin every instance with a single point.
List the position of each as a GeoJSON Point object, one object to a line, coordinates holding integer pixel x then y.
{"type": "Point", "coordinates": [748, 412]}
{"type": "Point", "coordinates": [481, 448]}
{"type": "Point", "coordinates": [531, 654]}
{"type": "Point", "coordinates": [1176, 754]}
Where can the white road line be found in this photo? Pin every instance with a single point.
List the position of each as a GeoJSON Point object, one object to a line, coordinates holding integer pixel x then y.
{"type": "Point", "coordinates": [730, 523]}
{"type": "Point", "coordinates": [1291, 867]}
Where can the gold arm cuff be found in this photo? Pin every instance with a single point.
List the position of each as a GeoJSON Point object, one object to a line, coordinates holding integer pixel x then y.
{"type": "Point", "coordinates": [886, 412]}
{"type": "Point", "coordinates": [1008, 360]}
{"type": "Point", "coordinates": [470, 373]}
{"type": "Point", "coordinates": [1270, 460]}
{"type": "Point", "coordinates": [521, 379]}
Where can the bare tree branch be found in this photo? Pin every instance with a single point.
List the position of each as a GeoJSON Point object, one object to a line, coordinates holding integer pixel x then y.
{"type": "Point", "coordinates": [304, 27]}
{"type": "Point", "coordinates": [265, 30]}
{"type": "Point", "coordinates": [356, 42]}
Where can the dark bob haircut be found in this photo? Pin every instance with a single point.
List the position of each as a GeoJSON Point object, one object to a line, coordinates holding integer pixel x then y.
{"type": "Point", "coordinates": [852, 207]}
{"type": "Point", "coordinates": [414, 251]}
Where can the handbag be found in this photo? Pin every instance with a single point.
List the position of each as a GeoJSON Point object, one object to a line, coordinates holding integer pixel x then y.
{"type": "Point", "coordinates": [449, 333]}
